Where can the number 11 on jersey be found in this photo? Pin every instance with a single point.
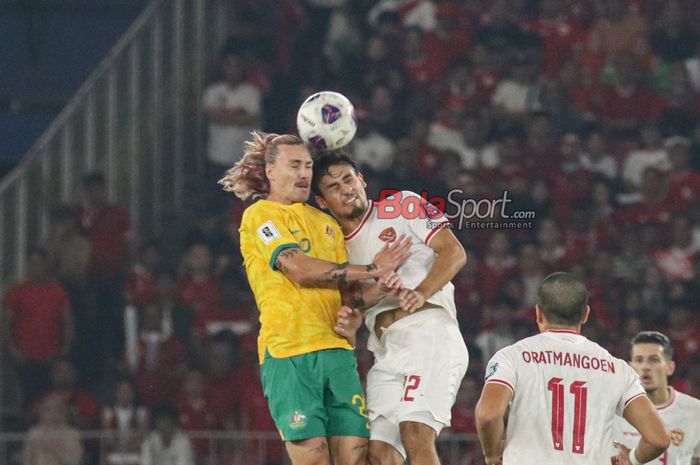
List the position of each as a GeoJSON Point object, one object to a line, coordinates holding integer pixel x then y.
{"type": "Point", "coordinates": [580, 392]}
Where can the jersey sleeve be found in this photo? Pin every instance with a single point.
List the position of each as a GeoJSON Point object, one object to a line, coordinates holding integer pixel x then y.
{"type": "Point", "coordinates": [501, 370]}
{"type": "Point", "coordinates": [631, 390]}
{"type": "Point", "coordinates": [424, 218]}
{"type": "Point", "coordinates": [269, 232]}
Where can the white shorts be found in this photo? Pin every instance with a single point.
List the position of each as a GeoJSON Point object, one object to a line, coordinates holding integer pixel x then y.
{"type": "Point", "coordinates": [417, 371]}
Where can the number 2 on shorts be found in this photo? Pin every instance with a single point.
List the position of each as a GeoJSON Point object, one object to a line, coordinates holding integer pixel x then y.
{"type": "Point", "coordinates": [410, 383]}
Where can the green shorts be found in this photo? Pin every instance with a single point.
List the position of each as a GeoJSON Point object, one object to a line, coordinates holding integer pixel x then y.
{"type": "Point", "coordinates": [315, 395]}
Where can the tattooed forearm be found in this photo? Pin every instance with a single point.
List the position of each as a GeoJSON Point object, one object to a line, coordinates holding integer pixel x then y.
{"type": "Point", "coordinates": [371, 267]}
{"type": "Point", "coordinates": [338, 273]}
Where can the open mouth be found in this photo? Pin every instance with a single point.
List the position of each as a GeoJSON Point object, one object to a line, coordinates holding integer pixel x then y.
{"type": "Point", "coordinates": [351, 199]}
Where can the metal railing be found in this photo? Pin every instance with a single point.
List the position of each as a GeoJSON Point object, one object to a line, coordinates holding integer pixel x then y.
{"type": "Point", "coordinates": [137, 118]}
{"type": "Point", "coordinates": [223, 448]}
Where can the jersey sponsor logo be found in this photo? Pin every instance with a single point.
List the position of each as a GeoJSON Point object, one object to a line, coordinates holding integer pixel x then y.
{"type": "Point", "coordinates": [491, 371]}
{"type": "Point", "coordinates": [294, 231]}
{"type": "Point", "coordinates": [330, 231]}
{"type": "Point", "coordinates": [677, 436]}
{"type": "Point", "coordinates": [298, 420]}
{"type": "Point", "coordinates": [388, 235]}
{"type": "Point", "coordinates": [268, 232]}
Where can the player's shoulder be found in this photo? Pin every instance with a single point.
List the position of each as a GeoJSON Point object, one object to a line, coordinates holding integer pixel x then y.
{"type": "Point", "coordinates": [316, 214]}
{"type": "Point", "coordinates": [511, 351]}
{"type": "Point", "coordinates": [261, 210]}
{"type": "Point", "coordinates": [687, 402]}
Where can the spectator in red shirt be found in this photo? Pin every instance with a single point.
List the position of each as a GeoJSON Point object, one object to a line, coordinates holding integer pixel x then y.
{"type": "Point", "coordinates": [140, 282]}
{"type": "Point", "coordinates": [255, 416]}
{"type": "Point", "coordinates": [561, 34]}
{"type": "Point", "coordinates": [196, 413]}
{"type": "Point", "coordinates": [223, 382]}
{"type": "Point", "coordinates": [684, 182]}
{"type": "Point", "coordinates": [108, 227]}
{"type": "Point", "coordinates": [198, 286]}
{"type": "Point", "coordinates": [676, 260]}
{"type": "Point", "coordinates": [684, 331]}
{"type": "Point", "coordinates": [498, 263]}
{"type": "Point", "coordinates": [581, 236]}
{"type": "Point", "coordinates": [628, 103]}
{"type": "Point", "coordinates": [423, 68]}
{"type": "Point", "coordinates": [38, 326]}
{"type": "Point", "coordinates": [451, 37]}
{"type": "Point", "coordinates": [550, 244]}
{"type": "Point", "coordinates": [651, 207]}
{"type": "Point", "coordinates": [235, 312]}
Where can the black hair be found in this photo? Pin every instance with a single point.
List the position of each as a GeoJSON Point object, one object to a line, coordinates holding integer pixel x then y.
{"type": "Point", "coordinates": [562, 298]}
{"type": "Point", "coordinates": [654, 337]}
{"type": "Point", "coordinates": [323, 163]}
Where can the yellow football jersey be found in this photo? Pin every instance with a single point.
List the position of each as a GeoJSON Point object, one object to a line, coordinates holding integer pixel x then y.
{"type": "Point", "coordinates": [294, 319]}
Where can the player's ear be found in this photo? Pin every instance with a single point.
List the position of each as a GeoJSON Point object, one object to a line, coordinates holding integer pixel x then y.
{"type": "Point", "coordinates": [268, 170]}
{"type": "Point", "coordinates": [586, 313]}
{"type": "Point", "coordinates": [539, 315]}
{"type": "Point", "coordinates": [321, 203]}
{"type": "Point", "coordinates": [362, 179]}
{"type": "Point", "coordinates": [670, 367]}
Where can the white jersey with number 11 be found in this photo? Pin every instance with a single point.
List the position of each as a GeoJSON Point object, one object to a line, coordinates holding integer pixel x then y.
{"type": "Point", "coordinates": [567, 391]}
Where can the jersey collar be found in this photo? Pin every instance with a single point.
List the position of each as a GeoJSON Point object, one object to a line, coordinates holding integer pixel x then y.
{"type": "Point", "coordinates": [370, 206]}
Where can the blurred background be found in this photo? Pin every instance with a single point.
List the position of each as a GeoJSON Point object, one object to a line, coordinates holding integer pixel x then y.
{"type": "Point", "coordinates": [126, 312]}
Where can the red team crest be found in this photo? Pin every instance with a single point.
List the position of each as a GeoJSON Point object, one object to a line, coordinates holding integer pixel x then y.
{"type": "Point", "coordinates": [388, 235]}
{"type": "Point", "coordinates": [677, 436]}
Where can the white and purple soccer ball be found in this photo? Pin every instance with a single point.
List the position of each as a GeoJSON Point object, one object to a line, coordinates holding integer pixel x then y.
{"type": "Point", "coordinates": [326, 120]}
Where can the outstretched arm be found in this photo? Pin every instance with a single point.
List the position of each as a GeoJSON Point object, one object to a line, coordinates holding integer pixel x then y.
{"type": "Point", "coordinates": [304, 269]}
{"type": "Point", "coordinates": [361, 295]}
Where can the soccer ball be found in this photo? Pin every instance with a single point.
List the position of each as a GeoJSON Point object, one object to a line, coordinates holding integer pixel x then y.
{"type": "Point", "coordinates": [326, 120]}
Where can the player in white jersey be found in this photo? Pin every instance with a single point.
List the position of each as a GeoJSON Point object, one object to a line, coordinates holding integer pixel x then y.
{"type": "Point", "coordinates": [563, 391]}
{"type": "Point", "coordinates": [652, 358]}
{"type": "Point", "coordinates": [420, 354]}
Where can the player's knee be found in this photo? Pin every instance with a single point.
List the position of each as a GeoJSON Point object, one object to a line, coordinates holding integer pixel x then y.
{"type": "Point", "coordinates": [312, 451]}
{"type": "Point", "coordinates": [381, 453]}
{"type": "Point", "coordinates": [417, 438]}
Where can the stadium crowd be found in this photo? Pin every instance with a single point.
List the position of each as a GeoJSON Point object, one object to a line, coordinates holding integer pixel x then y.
{"type": "Point", "coordinates": [586, 112]}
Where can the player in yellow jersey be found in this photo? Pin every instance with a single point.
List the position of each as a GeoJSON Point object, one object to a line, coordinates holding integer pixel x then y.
{"type": "Point", "coordinates": [295, 259]}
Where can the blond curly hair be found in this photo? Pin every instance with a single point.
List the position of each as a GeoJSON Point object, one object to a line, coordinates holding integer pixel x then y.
{"type": "Point", "coordinates": [247, 178]}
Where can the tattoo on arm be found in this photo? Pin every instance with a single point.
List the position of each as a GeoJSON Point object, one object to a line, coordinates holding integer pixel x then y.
{"type": "Point", "coordinates": [338, 273]}
{"type": "Point", "coordinates": [286, 253]}
{"type": "Point", "coordinates": [371, 267]}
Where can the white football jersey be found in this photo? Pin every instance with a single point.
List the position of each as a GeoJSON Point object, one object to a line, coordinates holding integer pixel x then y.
{"type": "Point", "coordinates": [566, 393]}
{"type": "Point", "coordinates": [384, 222]}
{"type": "Point", "coordinates": [681, 415]}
